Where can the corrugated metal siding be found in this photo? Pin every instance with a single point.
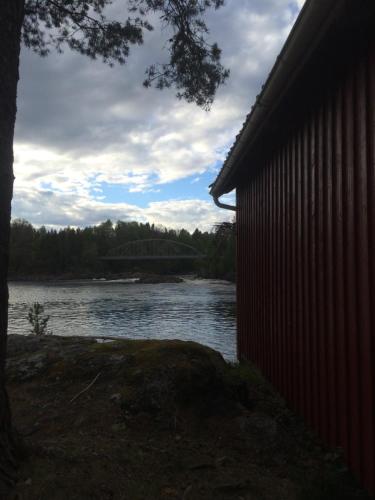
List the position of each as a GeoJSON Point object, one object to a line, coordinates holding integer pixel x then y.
{"type": "Point", "coordinates": [306, 269]}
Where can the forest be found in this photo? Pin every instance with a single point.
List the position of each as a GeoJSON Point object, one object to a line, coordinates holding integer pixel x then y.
{"type": "Point", "coordinates": [68, 253]}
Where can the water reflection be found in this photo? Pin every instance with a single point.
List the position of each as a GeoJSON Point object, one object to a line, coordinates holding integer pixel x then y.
{"type": "Point", "coordinates": [199, 310]}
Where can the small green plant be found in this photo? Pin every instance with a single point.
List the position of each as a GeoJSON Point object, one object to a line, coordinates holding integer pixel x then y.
{"type": "Point", "coordinates": [38, 320]}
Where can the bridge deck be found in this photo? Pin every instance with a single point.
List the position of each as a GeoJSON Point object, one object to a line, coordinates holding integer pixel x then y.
{"type": "Point", "coordinates": [152, 257]}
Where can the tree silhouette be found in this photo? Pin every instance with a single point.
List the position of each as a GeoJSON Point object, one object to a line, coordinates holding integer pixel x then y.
{"type": "Point", "coordinates": [194, 69]}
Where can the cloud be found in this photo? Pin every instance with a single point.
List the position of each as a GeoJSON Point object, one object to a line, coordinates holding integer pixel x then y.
{"type": "Point", "coordinates": [45, 207]}
{"type": "Point", "coordinates": [81, 124]}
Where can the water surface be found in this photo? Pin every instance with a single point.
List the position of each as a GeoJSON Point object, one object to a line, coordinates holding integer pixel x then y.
{"type": "Point", "coordinates": [199, 310]}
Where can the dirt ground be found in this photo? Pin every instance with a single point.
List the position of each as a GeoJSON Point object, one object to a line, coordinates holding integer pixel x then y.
{"type": "Point", "coordinates": [158, 420]}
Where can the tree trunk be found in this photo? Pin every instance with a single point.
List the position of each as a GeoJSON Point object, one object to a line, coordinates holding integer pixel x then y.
{"type": "Point", "coordinates": [11, 17]}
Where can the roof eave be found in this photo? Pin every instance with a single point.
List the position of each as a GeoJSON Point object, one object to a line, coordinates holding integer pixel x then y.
{"type": "Point", "coordinates": [310, 27]}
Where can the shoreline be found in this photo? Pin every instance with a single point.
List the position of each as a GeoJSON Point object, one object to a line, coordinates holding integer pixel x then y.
{"type": "Point", "coordinates": [138, 277]}
{"type": "Point", "coordinates": [128, 278]}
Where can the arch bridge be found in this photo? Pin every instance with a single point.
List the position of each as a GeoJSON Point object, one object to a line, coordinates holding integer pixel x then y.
{"type": "Point", "coordinates": [153, 249]}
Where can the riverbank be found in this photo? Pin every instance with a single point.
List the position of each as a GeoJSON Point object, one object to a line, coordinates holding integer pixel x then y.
{"type": "Point", "coordinates": [158, 420]}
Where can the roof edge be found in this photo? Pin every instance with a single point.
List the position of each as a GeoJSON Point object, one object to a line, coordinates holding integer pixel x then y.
{"type": "Point", "coordinates": [311, 25]}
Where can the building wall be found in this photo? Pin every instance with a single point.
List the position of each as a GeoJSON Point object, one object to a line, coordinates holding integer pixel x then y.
{"type": "Point", "coordinates": [306, 268]}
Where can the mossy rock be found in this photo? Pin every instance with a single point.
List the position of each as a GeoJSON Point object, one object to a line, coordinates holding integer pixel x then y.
{"type": "Point", "coordinates": [154, 376]}
{"type": "Point", "coordinates": [162, 375]}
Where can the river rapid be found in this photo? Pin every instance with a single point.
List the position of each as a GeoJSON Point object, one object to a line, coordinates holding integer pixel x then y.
{"type": "Point", "coordinates": [199, 310]}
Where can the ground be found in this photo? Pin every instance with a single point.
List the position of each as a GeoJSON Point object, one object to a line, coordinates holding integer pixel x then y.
{"type": "Point", "coordinates": [158, 420]}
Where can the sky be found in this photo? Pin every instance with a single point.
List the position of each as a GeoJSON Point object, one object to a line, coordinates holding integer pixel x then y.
{"type": "Point", "coordinates": [91, 143]}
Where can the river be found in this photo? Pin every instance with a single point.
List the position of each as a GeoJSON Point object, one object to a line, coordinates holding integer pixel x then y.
{"type": "Point", "coordinates": [199, 310]}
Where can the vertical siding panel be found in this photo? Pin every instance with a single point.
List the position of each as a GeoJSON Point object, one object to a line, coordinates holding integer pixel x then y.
{"type": "Point", "coordinates": [245, 278]}
{"type": "Point", "coordinates": [255, 266]}
{"type": "Point", "coordinates": [329, 315]}
{"type": "Point", "coordinates": [371, 221]}
{"type": "Point", "coordinates": [250, 278]}
{"type": "Point", "coordinates": [260, 275]}
{"type": "Point", "coordinates": [364, 325]}
{"type": "Point", "coordinates": [271, 273]}
{"type": "Point", "coordinates": [256, 271]}
{"type": "Point", "coordinates": [287, 340]}
{"type": "Point", "coordinates": [280, 272]}
{"type": "Point", "coordinates": [283, 271]}
{"type": "Point", "coordinates": [338, 253]}
{"type": "Point", "coordinates": [321, 264]}
{"type": "Point", "coordinates": [266, 311]}
{"type": "Point", "coordinates": [262, 214]}
{"type": "Point", "coordinates": [248, 267]}
{"type": "Point", "coordinates": [278, 269]}
{"type": "Point", "coordinates": [246, 263]}
{"type": "Point", "coordinates": [263, 197]}
{"type": "Point", "coordinates": [286, 271]}
{"type": "Point", "coordinates": [246, 330]}
{"type": "Point", "coordinates": [276, 256]}
{"type": "Point", "coordinates": [292, 270]}
{"type": "Point", "coordinates": [306, 245]}
{"type": "Point", "coordinates": [274, 270]}
{"type": "Point", "coordinates": [239, 269]}
{"type": "Point", "coordinates": [248, 257]}
{"type": "Point", "coordinates": [270, 353]}
{"type": "Point", "coordinates": [313, 271]}
{"type": "Point", "coordinates": [255, 243]}
{"type": "Point", "coordinates": [350, 280]}
{"type": "Point", "coordinates": [266, 314]}
{"type": "Point", "coordinates": [299, 285]}
{"type": "Point", "coordinates": [260, 270]}
{"type": "Point", "coordinates": [245, 273]}
{"type": "Point", "coordinates": [242, 271]}
{"type": "Point", "coordinates": [295, 272]}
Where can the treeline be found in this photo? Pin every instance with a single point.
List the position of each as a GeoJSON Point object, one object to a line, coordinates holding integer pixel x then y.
{"type": "Point", "coordinates": [75, 252]}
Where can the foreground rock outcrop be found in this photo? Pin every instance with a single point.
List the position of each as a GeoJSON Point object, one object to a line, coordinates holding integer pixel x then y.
{"type": "Point", "coordinates": [158, 419]}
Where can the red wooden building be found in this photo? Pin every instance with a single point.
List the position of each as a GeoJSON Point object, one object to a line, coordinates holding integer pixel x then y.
{"type": "Point", "coordinates": [303, 167]}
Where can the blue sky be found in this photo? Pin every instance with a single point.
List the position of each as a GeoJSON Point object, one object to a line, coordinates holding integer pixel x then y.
{"type": "Point", "coordinates": [190, 187]}
{"type": "Point", "coordinates": [91, 143]}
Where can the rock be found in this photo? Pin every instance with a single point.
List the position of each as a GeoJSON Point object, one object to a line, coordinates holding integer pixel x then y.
{"type": "Point", "coordinates": [155, 279]}
{"type": "Point", "coordinates": [24, 369]}
{"type": "Point", "coordinates": [152, 376]}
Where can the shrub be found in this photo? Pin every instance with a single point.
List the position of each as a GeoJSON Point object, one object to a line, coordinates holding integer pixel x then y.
{"type": "Point", "coordinates": [38, 320]}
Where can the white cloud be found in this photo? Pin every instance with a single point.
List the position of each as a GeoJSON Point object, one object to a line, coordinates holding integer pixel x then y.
{"type": "Point", "coordinates": [45, 207]}
{"type": "Point", "coordinates": [81, 124]}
